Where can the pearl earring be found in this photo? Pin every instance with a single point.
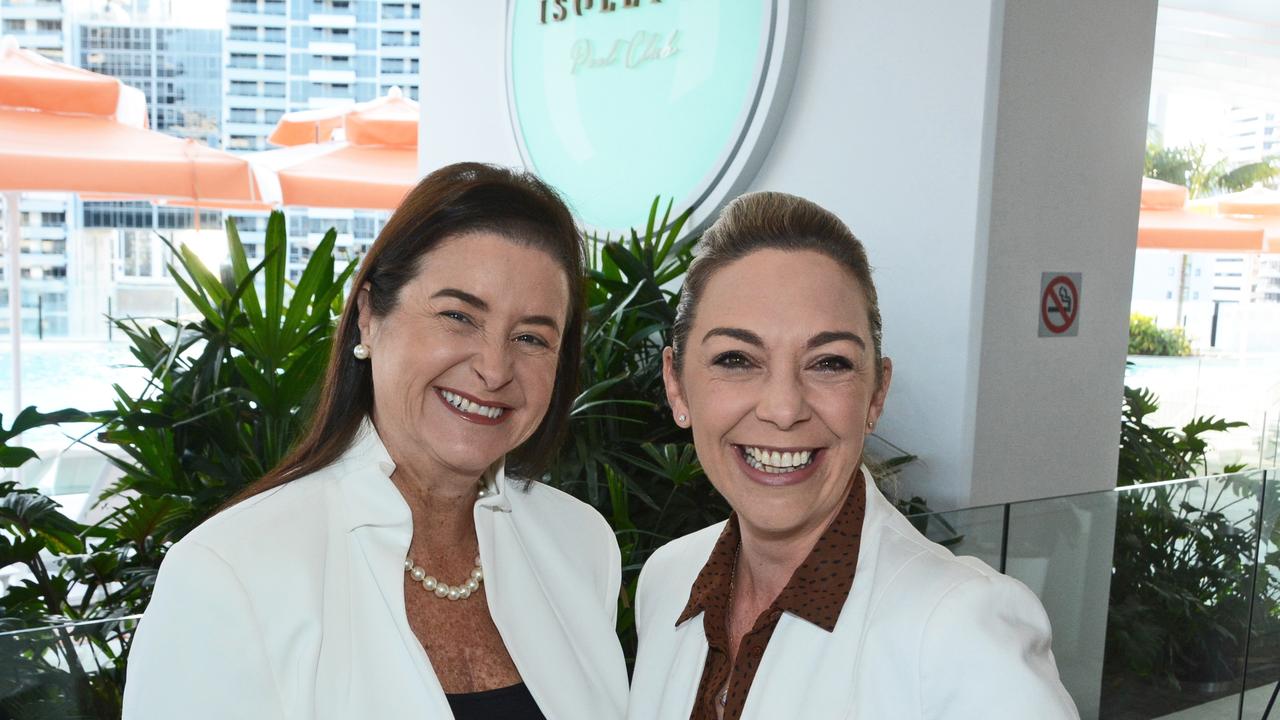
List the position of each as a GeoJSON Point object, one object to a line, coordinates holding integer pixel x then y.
{"type": "Point", "coordinates": [871, 424]}
{"type": "Point", "coordinates": [361, 351]}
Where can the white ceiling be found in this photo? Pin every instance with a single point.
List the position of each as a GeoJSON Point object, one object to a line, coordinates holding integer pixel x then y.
{"type": "Point", "coordinates": [1224, 48]}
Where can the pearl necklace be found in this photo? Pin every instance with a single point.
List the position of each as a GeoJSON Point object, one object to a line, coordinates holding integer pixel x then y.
{"type": "Point", "coordinates": [443, 589]}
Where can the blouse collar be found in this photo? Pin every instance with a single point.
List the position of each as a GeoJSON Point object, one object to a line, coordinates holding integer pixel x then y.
{"type": "Point", "coordinates": [818, 588]}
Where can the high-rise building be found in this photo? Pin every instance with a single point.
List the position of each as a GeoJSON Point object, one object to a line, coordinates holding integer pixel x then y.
{"type": "Point", "coordinates": [38, 25]}
{"type": "Point", "coordinates": [1253, 133]}
{"type": "Point", "coordinates": [179, 69]}
{"type": "Point", "coordinates": [286, 55]}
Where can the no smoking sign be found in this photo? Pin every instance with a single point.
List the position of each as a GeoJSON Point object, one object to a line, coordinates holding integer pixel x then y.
{"type": "Point", "coordinates": [1059, 304]}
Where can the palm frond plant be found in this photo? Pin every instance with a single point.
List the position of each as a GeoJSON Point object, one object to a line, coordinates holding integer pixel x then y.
{"type": "Point", "coordinates": [1184, 557]}
{"type": "Point", "coordinates": [226, 393]}
{"type": "Point", "coordinates": [624, 455]}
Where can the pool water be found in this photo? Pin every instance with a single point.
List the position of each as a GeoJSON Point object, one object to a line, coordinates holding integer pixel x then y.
{"type": "Point", "coordinates": [59, 374]}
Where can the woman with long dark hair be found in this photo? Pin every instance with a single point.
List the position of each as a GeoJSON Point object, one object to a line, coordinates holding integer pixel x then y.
{"type": "Point", "coordinates": [402, 562]}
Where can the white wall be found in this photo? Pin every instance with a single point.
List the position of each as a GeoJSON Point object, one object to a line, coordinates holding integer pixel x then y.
{"type": "Point", "coordinates": [1070, 132]}
{"type": "Point", "coordinates": [463, 89]}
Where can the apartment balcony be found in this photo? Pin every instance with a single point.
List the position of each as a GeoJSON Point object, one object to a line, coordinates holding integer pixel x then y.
{"type": "Point", "coordinates": [401, 24]}
{"type": "Point", "coordinates": [43, 260]}
{"type": "Point", "coordinates": [38, 40]}
{"type": "Point", "coordinates": [331, 48]}
{"type": "Point", "coordinates": [341, 77]}
{"type": "Point", "coordinates": [253, 8]}
{"type": "Point", "coordinates": [398, 51]}
{"type": "Point", "coordinates": [403, 79]}
{"type": "Point", "coordinates": [251, 46]}
{"type": "Point", "coordinates": [331, 20]}
{"type": "Point", "coordinates": [37, 11]}
{"type": "Point", "coordinates": [251, 74]}
{"type": "Point", "coordinates": [327, 102]}
{"type": "Point", "coordinates": [243, 128]}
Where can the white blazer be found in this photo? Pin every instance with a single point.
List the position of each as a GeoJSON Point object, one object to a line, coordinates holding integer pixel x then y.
{"type": "Point", "coordinates": [923, 635]}
{"type": "Point", "coordinates": [290, 605]}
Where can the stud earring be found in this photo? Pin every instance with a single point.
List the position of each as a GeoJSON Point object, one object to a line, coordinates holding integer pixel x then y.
{"type": "Point", "coordinates": [684, 418]}
{"type": "Point", "coordinates": [361, 351]}
{"type": "Point", "coordinates": [871, 424]}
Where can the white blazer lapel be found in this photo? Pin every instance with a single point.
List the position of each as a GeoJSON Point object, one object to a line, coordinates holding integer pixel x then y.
{"type": "Point", "coordinates": [533, 598]}
{"type": "Point", "coordinates": [390, 673]}
{"type": "Point", "coordinates": [689, 654]}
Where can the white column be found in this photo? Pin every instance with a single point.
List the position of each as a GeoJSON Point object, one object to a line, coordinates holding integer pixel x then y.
{"type": "Point", "coordinates": [13, 268]}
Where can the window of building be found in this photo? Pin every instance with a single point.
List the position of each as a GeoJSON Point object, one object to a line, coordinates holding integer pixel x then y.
{"type": "Point", "coordinates": [49, 26]}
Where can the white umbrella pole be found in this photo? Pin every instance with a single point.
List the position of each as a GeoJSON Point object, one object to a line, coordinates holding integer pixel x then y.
{"type": "Point", "coordinates": [13, 247]}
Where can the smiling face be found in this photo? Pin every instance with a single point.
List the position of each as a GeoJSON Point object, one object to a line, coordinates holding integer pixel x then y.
{"type": "Point", "coordinates": [464, 365]}
{"type": "Point", "coordinates": [779, 385]}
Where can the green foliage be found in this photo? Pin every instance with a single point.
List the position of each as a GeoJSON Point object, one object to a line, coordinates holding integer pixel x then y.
{"type": "Point", "coordinates": [1152, 454]}
{"type": "Point", "coordinates": [624, 455]}
{"type": "Point", "coordinates": [223, 399]}
{"type": "Point", "coordinates": [1203, 174]}
{"type": "Point", "coordinates": [1145, 338]}
{"type": "Point", "coordinates": [1264, 172]}
{"type": "Point", "coordinates": [1190, 166]}
{"type": "Point", "coordinates": [1184, 556]}
{"type": "Point", "coordinates": [44, 676]}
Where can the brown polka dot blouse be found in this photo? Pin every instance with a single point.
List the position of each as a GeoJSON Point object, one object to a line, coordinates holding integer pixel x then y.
{"type": "Point", "coordinates": [816, 593]}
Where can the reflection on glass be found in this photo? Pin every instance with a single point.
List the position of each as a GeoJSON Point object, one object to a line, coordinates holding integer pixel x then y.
{"type": "Point", "coordinates": [66, 671]}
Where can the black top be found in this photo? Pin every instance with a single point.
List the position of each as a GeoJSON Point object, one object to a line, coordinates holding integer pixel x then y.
{"type": "Point", "coordinates": [508, 703]}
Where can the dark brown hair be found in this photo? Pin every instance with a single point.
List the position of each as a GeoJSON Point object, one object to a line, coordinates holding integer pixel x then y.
{"type": "Point", "coordinates": [452, 201]}
{"type": "Point", "coordinates": [776, 221]}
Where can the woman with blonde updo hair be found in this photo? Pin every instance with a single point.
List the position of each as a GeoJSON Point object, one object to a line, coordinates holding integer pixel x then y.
{"type": "Point", "coordinates": [816, 598]}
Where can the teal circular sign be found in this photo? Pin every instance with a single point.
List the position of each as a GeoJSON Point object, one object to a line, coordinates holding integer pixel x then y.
{"type": "Point", "coordinates": [615, 102]}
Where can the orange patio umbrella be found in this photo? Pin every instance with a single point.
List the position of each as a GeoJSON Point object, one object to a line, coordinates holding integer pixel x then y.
{"type": "Point", "coordinates": [1256, 206]}
{"type": "Point", "coordinates": [1165, 223]}
{"type": "Point", "coordinates": [368, 158]}
{"type": "Point", "coordinates": [1256, 201]}
{"type": "Point", "coordinates": [63, 128]}
{"type": "Point", "coordinates": [67, 129]}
